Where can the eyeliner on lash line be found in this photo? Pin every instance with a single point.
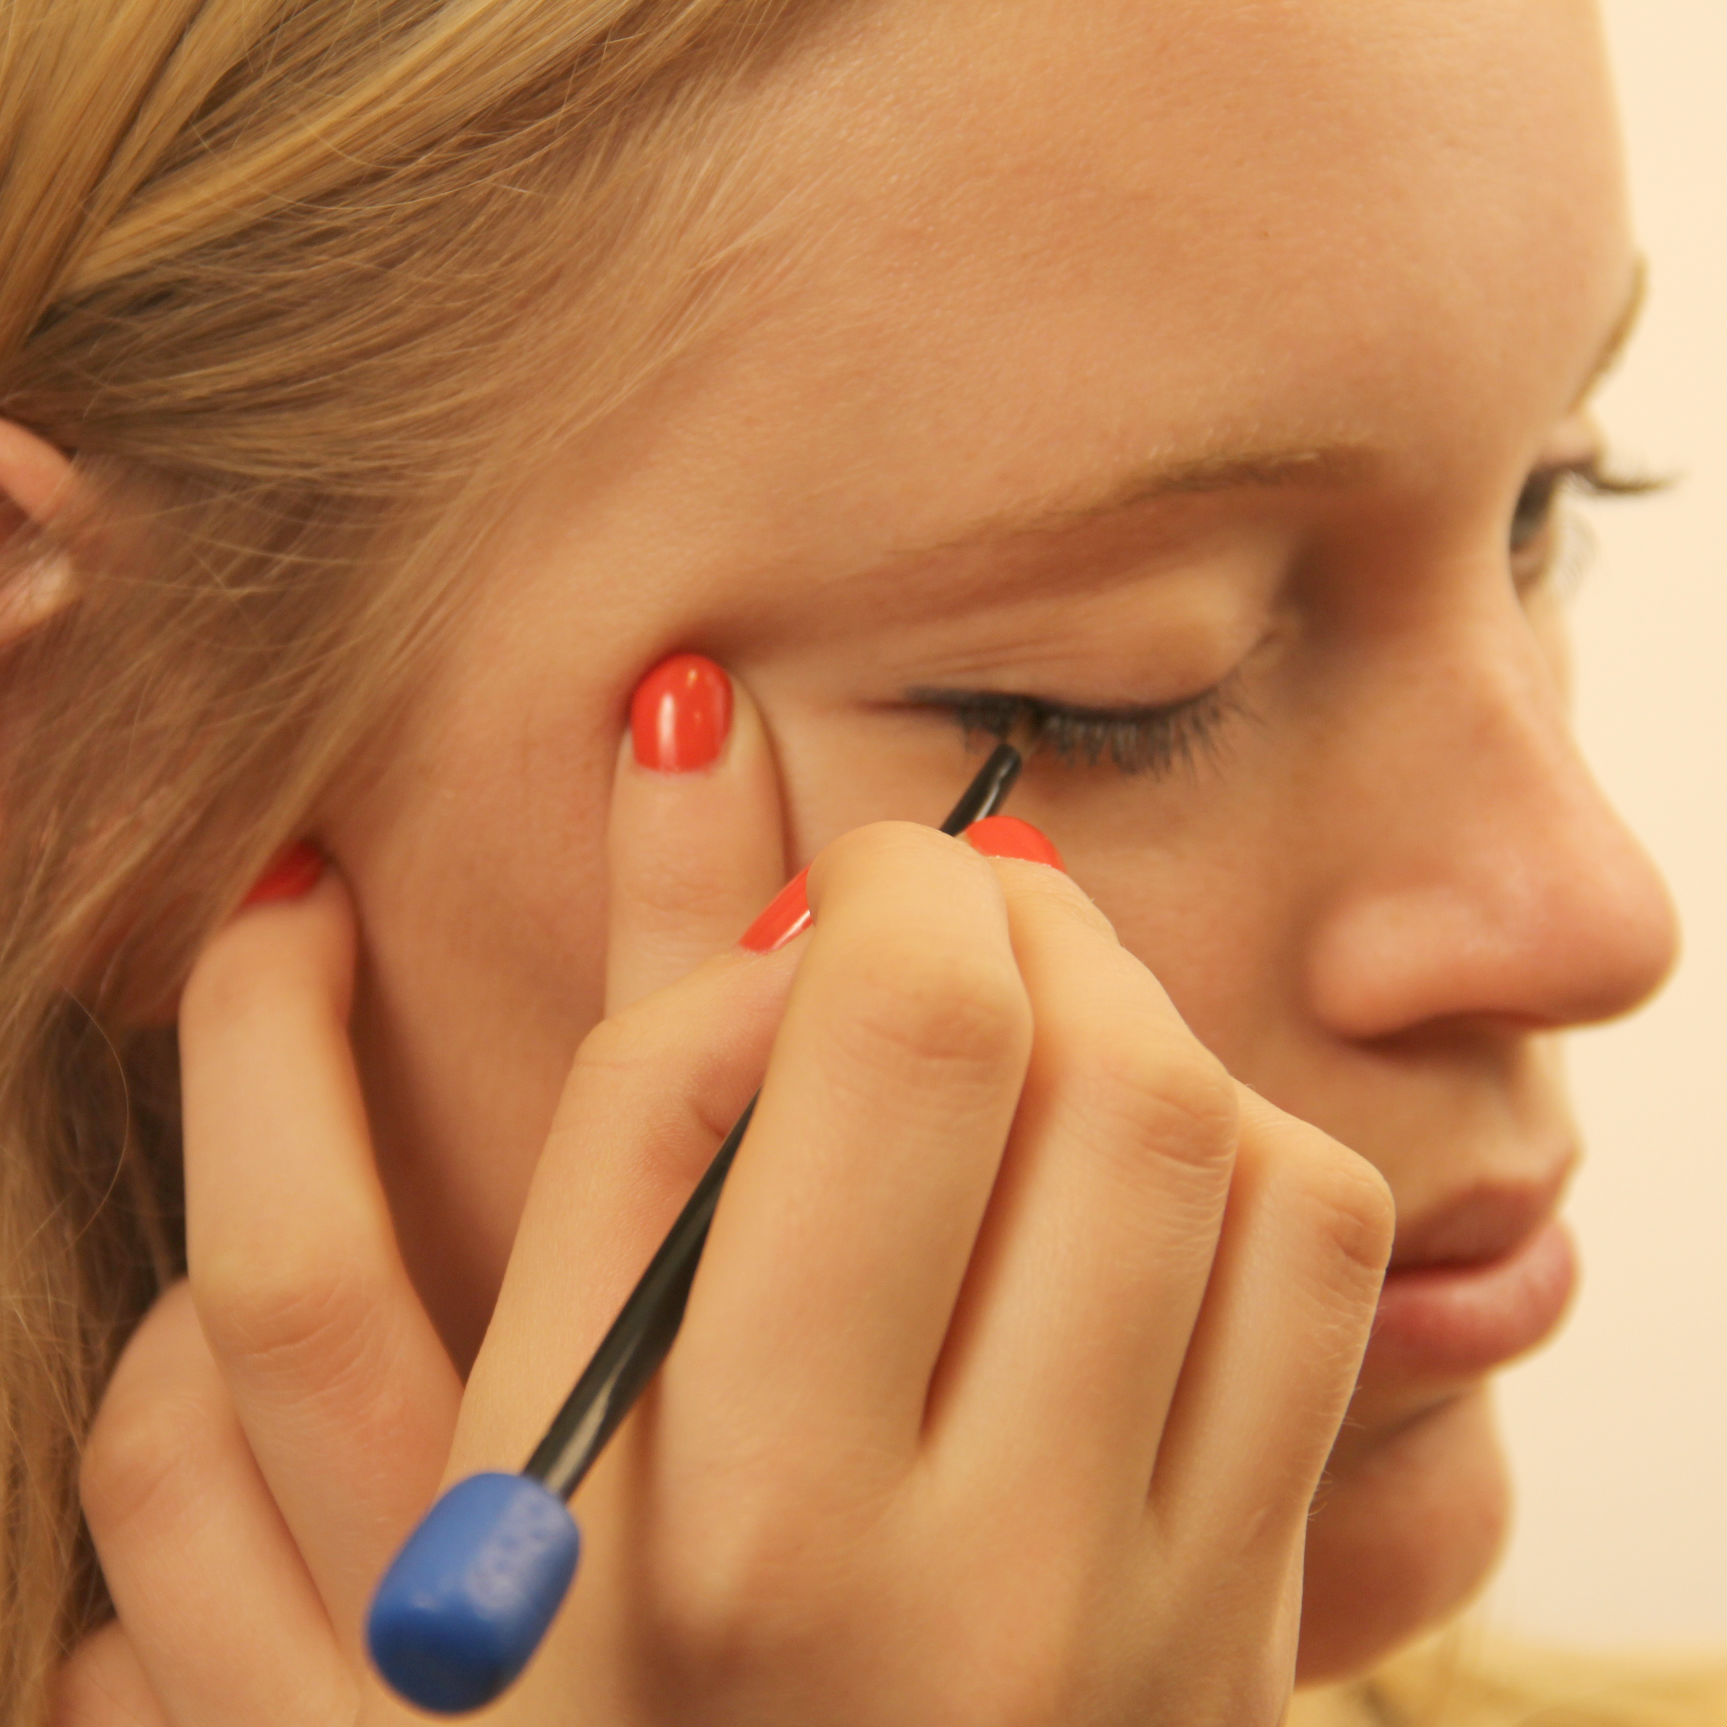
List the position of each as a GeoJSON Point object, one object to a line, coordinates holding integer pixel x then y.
{"type": "Point", "coordinates": [1135, 739]}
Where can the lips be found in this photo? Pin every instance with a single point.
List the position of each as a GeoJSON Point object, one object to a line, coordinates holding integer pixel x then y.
{"type": "Point", "coordinates": [1474, 1284]}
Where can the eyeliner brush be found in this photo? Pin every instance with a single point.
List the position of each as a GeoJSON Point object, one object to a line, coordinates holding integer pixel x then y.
{"type": "Point", "coordinates": [469, 1596]}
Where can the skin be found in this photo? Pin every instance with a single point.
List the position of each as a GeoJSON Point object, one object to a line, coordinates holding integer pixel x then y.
{"type": "Point", "coordinates": [1035, 268]}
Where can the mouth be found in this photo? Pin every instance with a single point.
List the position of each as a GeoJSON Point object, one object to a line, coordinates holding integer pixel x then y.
{"type": "Point", "coordinates": [1475, 1283]}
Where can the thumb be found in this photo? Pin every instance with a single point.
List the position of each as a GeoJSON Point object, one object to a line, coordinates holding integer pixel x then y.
{"type": "Point", "coordinates": [695, 845]}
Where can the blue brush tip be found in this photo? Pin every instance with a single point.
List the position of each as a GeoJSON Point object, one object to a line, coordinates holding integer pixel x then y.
{"type": "Point", "coordinates": [470, 1595]}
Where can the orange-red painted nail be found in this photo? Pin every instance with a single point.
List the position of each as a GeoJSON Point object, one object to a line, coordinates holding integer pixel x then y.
{"type": "Point", "coordinates": [295, 871]}
{"type": "Point", "coordinates": [787, 916]}
{"type": "Point", "coordinates": [680, 714]}
{"type": "Point", "coordinates": [1009, 837]}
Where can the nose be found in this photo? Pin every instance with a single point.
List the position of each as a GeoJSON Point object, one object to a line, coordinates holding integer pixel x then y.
{"type": "Point", "coordinates": [1487, 878]}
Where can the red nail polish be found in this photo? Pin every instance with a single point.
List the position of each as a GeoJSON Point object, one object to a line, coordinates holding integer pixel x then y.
{"type": "Point", "coordinates": [1009, 837]}
{"type": "Point", "coordinates": [295, 871]}
{"type": "Point", "coordinates": [787, 916]}
{"type": "Point", "coordinates": [680, 714]}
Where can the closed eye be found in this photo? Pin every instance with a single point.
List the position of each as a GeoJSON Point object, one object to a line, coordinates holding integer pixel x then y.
{"type": "Point", "coordinates": [1533, 537]}
{"type": "Point", "coordinates": [1135, 740]}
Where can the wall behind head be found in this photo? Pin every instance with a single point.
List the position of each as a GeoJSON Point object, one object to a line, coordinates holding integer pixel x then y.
{"type": "Point", "coordinates": [1618, 1432]}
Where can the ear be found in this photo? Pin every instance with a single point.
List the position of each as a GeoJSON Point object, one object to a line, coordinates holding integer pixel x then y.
{"type": "Point", "coordinates": [36, 485]}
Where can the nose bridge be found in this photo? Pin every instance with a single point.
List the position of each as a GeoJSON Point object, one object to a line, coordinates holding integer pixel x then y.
{"type": "Point", "coordinates": [1491, 876]}
{"type": "Point", "coordinates": [1504, 738]}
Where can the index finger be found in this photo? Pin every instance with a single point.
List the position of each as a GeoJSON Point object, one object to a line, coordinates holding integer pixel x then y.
{"type": "Point", "coordinates": [694, 840]}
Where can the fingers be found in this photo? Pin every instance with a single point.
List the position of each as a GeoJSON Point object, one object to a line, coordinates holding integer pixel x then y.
{"type": "Point", "coordinates": [845, 1230]}
{"type": "Point", "coordinates": [1076, 1314]}
{"type": "Point", "coordinates": [221, 1622]}
{"type": "Point", "coordinates": [1281, 1334]}
{"type": "Point", "coordinates": [652, 1092]}
{"type": "Point", "coordinates": [1172, 1276]}
{"type": "Point", "coordinates": [338, 1379]}
{"type": "Point", "coordinates": [694, 838]}
{"type": "Point", "coordinates": [853, 1205]}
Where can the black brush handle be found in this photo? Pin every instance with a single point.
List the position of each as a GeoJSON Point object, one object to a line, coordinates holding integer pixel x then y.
{"type": "Point", "coordinates": [648, 1321]}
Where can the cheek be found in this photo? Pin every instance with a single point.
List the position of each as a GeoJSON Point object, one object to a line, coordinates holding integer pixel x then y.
{"type": "Point", "coordinates": [476, 855]}
{"type": "Point", "coordinates": [1179, 872]}
{"type": "Point", "coordinates": [1404, 1532]}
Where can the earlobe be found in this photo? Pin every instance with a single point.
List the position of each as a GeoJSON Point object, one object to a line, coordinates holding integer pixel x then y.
{"type": "Point", "coordinates": [36, 485]}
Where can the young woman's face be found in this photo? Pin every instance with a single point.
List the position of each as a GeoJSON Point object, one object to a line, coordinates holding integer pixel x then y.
{"type": "Point", "coordinates": [1134, 354]}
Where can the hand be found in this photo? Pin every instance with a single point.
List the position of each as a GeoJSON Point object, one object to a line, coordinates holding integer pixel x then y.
{"type": "Point", "coordinates": [1021, 1338]}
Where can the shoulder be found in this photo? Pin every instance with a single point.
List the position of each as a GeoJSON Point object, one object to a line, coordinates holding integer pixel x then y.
{"type": "Point", "coordinates": [1465, 1679]}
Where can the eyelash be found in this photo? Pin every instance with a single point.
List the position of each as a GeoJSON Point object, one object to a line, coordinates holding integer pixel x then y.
{"type": "Point", "coordinates": [1157, 740]}
{"type": "Point", "coordinates": [1140, 740]}
{"type": "Point", "coordinates": [1530, 535]}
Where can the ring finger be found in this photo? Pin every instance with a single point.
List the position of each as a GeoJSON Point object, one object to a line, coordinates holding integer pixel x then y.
{"type": "Point", "coordinates": [1091, 1268]}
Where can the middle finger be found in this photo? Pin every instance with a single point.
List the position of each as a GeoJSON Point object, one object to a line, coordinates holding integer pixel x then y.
{"type": "Point", "coordinates": [1092, 1266]}
{"type": "Point", "coordinates": [847, 1224]}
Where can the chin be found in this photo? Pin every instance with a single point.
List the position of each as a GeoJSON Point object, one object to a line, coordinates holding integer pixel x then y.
{"type": "Point", "coordinates": [1403, 1533]}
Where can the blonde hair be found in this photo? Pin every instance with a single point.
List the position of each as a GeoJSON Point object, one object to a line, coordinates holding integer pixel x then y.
{"type": "Point", "coordinates": [287, 278]}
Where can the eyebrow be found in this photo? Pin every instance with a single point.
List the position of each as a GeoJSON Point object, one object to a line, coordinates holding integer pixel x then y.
{"type": "Point", "coordinates": [1315, 467]}
{"type": "Point", "coordinates": [1319, 467]}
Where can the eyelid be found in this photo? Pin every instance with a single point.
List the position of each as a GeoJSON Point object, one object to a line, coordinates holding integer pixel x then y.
{"type": "Point", "coordinates": [1135, 739]}
{"type": "Point", "coordinates": [1598, 473]}
{"type": "Point", "coordinates": [1594, 472]}
{"type": "Point", "coordinates": [1153, 738]}
{"type": "Point", "coordinates": [1580, 455]}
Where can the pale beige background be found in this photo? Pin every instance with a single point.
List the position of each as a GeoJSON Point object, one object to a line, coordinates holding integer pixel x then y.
{"type": "Point", "coordinates": [1619, 1431]}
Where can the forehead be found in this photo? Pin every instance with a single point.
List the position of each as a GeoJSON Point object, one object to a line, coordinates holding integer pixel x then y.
{"type": "Point", "coordinates": [1017, 253]}
{"type": "Point", "coordinates": [1126, 228]}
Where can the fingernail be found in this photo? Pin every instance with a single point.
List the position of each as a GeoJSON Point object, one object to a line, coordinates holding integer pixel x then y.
{"type": "Point", "coordinates": [787, 916]}
{"type": "Point", "coordinates": [680, 714]}
{"type": "Point", "coordinates": [1009, 837]}
{"type": "Point", "coordinates": [295, 871]}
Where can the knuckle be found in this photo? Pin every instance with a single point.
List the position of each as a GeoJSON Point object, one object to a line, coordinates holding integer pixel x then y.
{"type": "Point", "coordinates": [915, 1005]}
{"type": "Point", "coordinates": [1362, 1211]}
{"type": "Point", "coordinates": [674, 886]}
{"type": "Point", "coordinates": [142, 1458]}
{"type": "Point", "coordinates": [1173, 1100]}
{"type": "Point", "coordinates": [757, 1589]}
{"type": "Point", "coordinates": [1352, 1207]}
{"type": "Point", "coordinates": [923, 966]}
{"type": "Point", "coordinates": [627, 1059]}
{"type": "Point", "coordinates": [631, 1046]}
{"type": "Point", "coordinates": [729, 1603]}
{"type": "Point", "coordinates": [621, 1045]}
{"type": "Point", "coordinates": [634, 1068]}
{"type": "Point", "coordinates": [295, 1310]}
